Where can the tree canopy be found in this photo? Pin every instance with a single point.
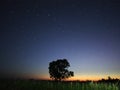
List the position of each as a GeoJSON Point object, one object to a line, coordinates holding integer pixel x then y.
{"type": "Point", "coordinates": [58, 69]}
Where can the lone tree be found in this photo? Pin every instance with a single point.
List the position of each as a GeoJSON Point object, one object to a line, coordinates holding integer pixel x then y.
{"type": "Point", "coordinates": [58, 70]}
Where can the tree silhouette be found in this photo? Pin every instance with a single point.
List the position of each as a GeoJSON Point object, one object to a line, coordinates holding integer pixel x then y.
{"type": "Point", "coordinates": [58, 70]}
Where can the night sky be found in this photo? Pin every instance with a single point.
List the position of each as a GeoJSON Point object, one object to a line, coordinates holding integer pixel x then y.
{"type": "Point", "coordinates": [36, 32]}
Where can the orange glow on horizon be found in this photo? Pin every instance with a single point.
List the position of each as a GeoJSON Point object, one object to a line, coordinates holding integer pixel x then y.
{"type": "Point", "coordinates": [81, 78]}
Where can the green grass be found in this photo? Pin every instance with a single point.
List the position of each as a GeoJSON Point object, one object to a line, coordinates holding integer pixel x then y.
{"type": "Point", "coordinates": [49, 85]}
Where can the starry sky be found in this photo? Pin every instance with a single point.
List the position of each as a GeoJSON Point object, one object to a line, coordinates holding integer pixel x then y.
{"type": "Point", "coordinates": [36, 32]}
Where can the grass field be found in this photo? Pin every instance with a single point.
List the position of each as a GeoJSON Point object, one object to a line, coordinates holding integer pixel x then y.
{"type": "Point", "coordinates": [49, 85]}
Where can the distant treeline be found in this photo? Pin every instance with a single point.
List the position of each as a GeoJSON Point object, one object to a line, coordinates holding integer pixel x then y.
{"type": "Point", "coordinates": [109, 79]}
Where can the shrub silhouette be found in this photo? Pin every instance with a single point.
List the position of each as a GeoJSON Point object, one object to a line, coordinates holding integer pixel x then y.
{"type": "Point", "coordinates": [58, 70]}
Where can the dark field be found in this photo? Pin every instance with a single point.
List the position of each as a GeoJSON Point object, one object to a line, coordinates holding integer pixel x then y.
{"type": "Point", "coordinates": [52, 85]}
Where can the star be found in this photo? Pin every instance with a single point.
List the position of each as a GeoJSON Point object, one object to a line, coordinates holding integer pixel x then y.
{"type": "Point", "coordinates": [12, 12]}
{"type": "Point", "coordinates": [63, 31]}
{"type": "Point", "coordinates": [49, 14]}
{"type": "Point", "coordinates": [37, 14]}
{"type": "Point", "coordinates": [28, 10]}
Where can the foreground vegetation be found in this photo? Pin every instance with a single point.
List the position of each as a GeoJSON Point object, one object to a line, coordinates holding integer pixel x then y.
{"type": "Point", "coordinates": [51, 85]}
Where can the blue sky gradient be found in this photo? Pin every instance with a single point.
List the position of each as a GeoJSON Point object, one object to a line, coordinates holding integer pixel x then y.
{"type": "Point", "coordinates": [34, 33]}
